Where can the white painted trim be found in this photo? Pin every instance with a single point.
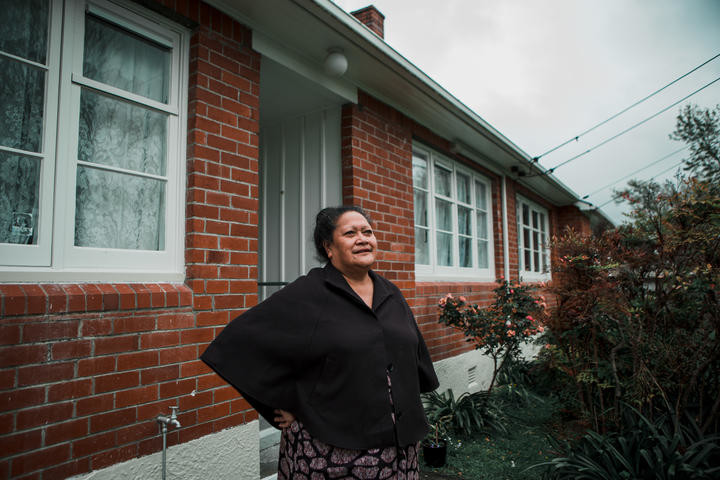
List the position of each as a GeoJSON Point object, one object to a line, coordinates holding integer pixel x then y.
{"type": "Point", "coordinates": [302, 265]}
{"type": "Point", "coordinates": [323, 161]}
{"type": "Point", "coordinates": [106, 89]}
{"type": "Point", "coordinates": [262, 214]}
{"type": "Point", "coordinates": [526, 275]}
{"type": "Point", "coordinates": [283, 197]}
{"type": "Point", "coordinates": [24, 60]}
{"type": "Point", "coordinates": [123, 22]}
{"type": "Point", "coordinates": [450, 278]}
{"type": "Point", "coordinates": [111, 168]}
{"type": "Point", "coordinates": [31, 275]}
{"type": "Point", "coordinates": [23, 153]}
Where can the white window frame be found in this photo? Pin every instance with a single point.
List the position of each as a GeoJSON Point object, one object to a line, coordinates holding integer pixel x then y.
{"type": "Point", "coordinates": [433, 271]}
{"type": "Point", "coordinates": [527, 272]}
{"type": "Point", "coordinates": [39, 254]}
{"type": "Point", "coordinates": [55, 257]}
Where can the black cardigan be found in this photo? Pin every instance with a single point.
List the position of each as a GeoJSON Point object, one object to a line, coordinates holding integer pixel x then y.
{"type": "Point", "coordinates": [317, 350]}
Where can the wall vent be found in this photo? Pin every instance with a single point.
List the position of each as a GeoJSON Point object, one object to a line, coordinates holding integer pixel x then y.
{"type": "Point", "coordinates": [472, 376]}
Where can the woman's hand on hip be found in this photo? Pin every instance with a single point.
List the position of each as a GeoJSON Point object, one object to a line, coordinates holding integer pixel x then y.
{"type": "Point", "coordinates": [283, 418]}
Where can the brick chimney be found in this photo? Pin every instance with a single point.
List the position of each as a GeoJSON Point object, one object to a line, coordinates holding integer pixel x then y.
{"type": "Point", "coordinates": [372, 19]}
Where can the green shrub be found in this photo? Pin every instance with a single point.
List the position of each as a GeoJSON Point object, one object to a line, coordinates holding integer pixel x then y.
{"type": "Point", "coordinates": [469, 413]}
{"type": "Point", "coordinates": [643, 450]}
{"type": "Point", "coordinates": [513, 318]}
{"type": "Point", "coordinates": [636, 311]}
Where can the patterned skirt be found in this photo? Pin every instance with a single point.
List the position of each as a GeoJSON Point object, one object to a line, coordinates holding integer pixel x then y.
{"type": "Point", "coordinates": [303, 457]}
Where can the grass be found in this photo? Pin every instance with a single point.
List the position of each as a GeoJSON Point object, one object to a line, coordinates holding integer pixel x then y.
{"type": "Point", "coordinates": [505, 456]}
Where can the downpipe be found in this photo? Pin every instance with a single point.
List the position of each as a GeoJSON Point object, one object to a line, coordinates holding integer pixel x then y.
{"type": "Point", "coordinates": [163, 421]}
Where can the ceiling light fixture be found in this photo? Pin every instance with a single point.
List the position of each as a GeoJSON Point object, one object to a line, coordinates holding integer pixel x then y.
{"type": "Point", "coordinates": [336, 63]}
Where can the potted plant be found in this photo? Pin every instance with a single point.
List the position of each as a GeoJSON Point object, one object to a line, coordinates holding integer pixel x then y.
{"type": "Point", "coordinates": [435, 444]}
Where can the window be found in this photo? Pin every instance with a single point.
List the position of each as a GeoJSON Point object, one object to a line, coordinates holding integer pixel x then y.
{"type": "Point", "coordinates": [533, 240]}
{"type": "Point", "coordinates": [91, 141]}
{"type": "Point", "coordinates": [453, 229]}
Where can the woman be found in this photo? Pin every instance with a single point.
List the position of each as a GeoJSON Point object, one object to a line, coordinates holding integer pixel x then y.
{"type": "Point", "coordinates": [336, 360]}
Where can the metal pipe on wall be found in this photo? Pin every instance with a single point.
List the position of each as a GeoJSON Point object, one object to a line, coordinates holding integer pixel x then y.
{"type": "Point", "coordinates": [505, 234]}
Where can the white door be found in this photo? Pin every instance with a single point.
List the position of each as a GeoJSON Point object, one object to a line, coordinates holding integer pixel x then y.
{"type": "Point", "coordinates": [300, 173]}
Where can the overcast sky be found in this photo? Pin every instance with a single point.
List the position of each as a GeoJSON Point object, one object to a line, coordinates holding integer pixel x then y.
{"type": "Point", "coordinates": [543, 71]}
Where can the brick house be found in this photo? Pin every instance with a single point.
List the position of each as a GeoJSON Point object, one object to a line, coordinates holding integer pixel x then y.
{"type": "Point", "coordinates": [161, 162]}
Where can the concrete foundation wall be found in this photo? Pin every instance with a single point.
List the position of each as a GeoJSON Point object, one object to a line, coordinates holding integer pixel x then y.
{"type": "Point", "coordinates": [455, 372]}
{"type": "Point", "coordinates": [231, 454]}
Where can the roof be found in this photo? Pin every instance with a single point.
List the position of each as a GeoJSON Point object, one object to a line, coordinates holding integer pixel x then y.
{"type": "Point", "coordinates": [305, 29]}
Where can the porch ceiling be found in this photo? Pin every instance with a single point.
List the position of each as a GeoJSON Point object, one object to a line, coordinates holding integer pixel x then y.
{"type": "Point", "coordinates": [308, 28]}
{"type": "Point", "coordinates": [286, 94]}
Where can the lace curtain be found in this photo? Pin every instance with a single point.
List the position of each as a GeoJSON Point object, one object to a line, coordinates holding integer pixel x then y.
{"type": "Point", "coordinates": [121, 209]}
{"type": "Point", "coordinates": [482, 224]}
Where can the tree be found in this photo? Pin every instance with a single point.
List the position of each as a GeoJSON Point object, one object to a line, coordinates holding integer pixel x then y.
{"type": "Point", "coordinates": [638, 309]}
{"type": "Point", "coordinates": [700, 130]}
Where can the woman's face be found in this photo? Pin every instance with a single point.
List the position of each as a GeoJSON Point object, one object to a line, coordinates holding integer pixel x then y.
{"type": "Point", "coordinates": [353, 243]}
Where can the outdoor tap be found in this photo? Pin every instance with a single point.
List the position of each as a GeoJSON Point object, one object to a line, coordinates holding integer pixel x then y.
{"type": "Point", "coordinates": [173, 417]}
{"type": "Point", "coordinates": [163, 422]}
{"type": "Point", "coordinates": [172, 420]}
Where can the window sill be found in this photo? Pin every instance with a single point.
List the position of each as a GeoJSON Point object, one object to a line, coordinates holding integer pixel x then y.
{"type": "Point", "coordinates": [535, 277]}
{"type": "Point", "coordinates": [41, 299]}
{"type": "Point", "coordinates": [453, 278]}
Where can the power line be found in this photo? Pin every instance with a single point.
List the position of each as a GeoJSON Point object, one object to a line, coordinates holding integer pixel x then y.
{"type": "Point", "coordinates": [616, 196]}
{"type": "Point", "coordinates": [576, 137]}
{"type": "Point", "coordinates": [636, 171]}
{"type": "Point", "coordinates": [551, 170]}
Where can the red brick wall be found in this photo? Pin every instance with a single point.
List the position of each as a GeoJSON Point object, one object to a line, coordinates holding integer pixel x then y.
{"type": "Point", "coordinates": [513, 260]}
{"type": "Point", "coordinates": [377, 175]}
{"type": "Point", "coordinates": [444, 342]}
{"type": "Point", "coordinates": [222, 204]}
{"type": "Point", "coordinates": [572, 217]}
{"type": "Point", "coordinates": [84, 368]}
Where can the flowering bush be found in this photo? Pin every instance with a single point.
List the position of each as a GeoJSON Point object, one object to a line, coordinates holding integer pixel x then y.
{"type": "Point", "coordinates": [498, 330]}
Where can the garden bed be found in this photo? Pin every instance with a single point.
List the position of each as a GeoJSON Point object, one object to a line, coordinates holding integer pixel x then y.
{"type": "Point", "coordinates": [504, 456]}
